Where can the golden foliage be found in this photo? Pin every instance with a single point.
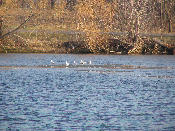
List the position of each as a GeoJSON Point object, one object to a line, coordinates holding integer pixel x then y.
{"type": "Point", "coordinates": [43, 4]}
{"type": "Point", "coordinates": [60, 9]}
{"type": "Point", "coordinates": [93, 18]}
{"type": "Point", "coordinates": [11, 3]}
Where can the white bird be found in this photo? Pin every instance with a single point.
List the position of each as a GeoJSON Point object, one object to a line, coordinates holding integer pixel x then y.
{"type": "Point", "coordinates": [82, 62]}
{"type": "Point", "coordinates": [75, 63]}
{"type": "Point", "coordinates": [52, 61]}
{"type": "Point", "coordinates": [67, 64]}
{"type": "Point", "coordinates": [90, 62]}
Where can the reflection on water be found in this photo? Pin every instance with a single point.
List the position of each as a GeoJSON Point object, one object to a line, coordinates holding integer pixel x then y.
{"type": "Point", "coordinates": [112, 93]}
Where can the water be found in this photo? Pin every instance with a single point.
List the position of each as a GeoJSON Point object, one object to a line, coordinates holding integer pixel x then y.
{"type": "Point", "coordinates": [113, 93]}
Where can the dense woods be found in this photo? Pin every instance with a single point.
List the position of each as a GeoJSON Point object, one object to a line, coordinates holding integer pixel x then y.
{"type": "Point", "coordinates": [93, 21]}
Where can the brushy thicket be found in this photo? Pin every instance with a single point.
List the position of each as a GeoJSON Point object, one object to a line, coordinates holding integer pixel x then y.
{"type": "Point", "coordinates": [95, 18]}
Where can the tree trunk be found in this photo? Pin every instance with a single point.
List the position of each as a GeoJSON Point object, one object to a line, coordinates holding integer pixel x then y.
{"type": "Point", "coordinates": [169, 26]}
{"type": "Point", "coordinates": [1, 2]}
{"type": "Point", "coordinates": [52, 3]}
{"type": "Point", "coordinates": [162, 12]}
{"type": "Point", "coordinates": [1, 26]}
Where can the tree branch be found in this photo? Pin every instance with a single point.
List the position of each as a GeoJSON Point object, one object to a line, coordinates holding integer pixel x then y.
{"type": "Point", "coordinates": [10, 32]}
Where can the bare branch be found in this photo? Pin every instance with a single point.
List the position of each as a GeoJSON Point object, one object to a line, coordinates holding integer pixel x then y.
{"type": "Point", "coordinates": [10, 32]}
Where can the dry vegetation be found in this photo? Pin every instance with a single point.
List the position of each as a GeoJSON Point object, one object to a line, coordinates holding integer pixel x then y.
{"type": "Point", "coordinates": [93, 18]}
{"type": "Point", "coordinates": [54, 21]}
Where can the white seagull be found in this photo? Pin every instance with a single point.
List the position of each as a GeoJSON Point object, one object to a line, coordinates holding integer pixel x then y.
{"type": "Point", "coordinates": [75, 63]}
{"type": "Point", "coordinates": [52, 61]}
{"type": "Point", "coordinates": [82, 62]}
{"type": "Point", "coordinates": [67, 64]}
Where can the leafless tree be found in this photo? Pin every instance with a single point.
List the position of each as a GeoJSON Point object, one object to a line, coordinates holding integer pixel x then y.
{"type": "Point", "coordinates": [1, 2]}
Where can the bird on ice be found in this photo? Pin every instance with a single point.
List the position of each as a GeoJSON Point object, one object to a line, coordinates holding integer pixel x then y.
{"type": "Point", "coordinates": [82, 62]}
{"type": "Point", "coordinates": [75, 63]}
{"type": "Point", "coordinates": [67, 64]}
{"type": "Point", "coordinates": [51, 61]}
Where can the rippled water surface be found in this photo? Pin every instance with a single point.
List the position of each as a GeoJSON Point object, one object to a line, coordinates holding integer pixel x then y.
{"type": "Point", "coordinates": [112, 93]}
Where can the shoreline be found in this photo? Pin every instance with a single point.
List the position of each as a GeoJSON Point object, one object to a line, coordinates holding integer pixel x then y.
{"type": "Point", "coordinates": [114, 47]}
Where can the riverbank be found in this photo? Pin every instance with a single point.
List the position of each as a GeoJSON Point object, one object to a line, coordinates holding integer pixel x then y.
{"type": "Point", "coordinates": [62, 41]}
{"type": "Point", "coordinates": [50, 34]}
{"type": "Point", "coordinates": [144, 46]}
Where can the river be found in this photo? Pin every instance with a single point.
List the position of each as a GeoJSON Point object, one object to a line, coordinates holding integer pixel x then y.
{"type": "Point", "coordinates": [114, 92]}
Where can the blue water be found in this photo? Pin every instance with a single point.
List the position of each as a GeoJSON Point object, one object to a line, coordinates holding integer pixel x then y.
{"type": "Point", "coordinates": [113, 93]}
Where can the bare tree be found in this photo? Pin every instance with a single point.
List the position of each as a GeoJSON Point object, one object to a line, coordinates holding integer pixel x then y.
{"type": "Point", "coordinates": [1, 2]}
{"type": "Point", "coordinates": [1, 26]}
{"type": "Point", "coordinates": [52, 3]}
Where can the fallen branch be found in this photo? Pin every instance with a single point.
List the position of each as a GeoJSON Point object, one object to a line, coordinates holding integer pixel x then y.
{"type": "Point", "coordinates": [10, 32]}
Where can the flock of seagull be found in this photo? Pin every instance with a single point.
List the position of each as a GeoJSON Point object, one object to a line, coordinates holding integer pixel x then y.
{"type": "Point", "coordinates": [81, 62]}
